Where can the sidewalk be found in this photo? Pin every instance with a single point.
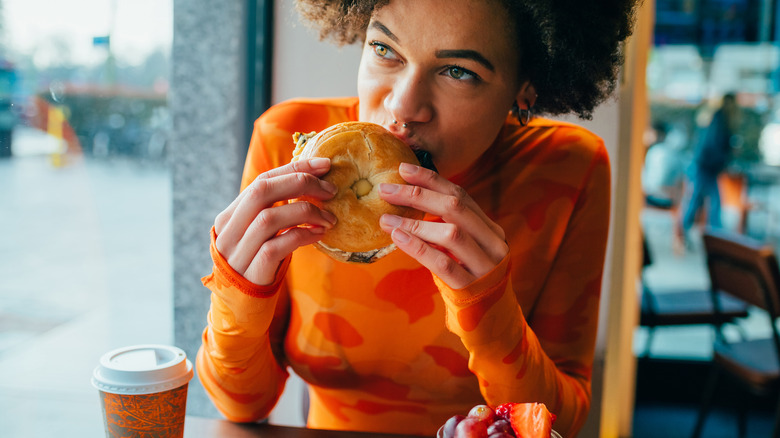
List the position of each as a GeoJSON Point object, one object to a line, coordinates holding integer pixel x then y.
{"type": "Point", "coordinates": [86, 254]}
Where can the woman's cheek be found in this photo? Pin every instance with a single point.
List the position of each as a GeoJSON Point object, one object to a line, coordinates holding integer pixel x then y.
{"type": "Point", "coordinates": [371, 95]}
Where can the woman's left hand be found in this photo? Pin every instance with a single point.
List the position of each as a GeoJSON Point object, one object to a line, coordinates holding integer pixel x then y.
{"type": "Point", "coordinates": [459, 250]}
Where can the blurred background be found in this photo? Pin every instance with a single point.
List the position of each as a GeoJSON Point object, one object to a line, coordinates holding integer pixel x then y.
{"type": "Point", "coordinates": [85, 201]}
{"type": "Point", "coordinates": [105, 106]}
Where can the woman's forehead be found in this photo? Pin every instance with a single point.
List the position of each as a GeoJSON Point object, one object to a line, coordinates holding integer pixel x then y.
{"type": "Point", "coordinates": [447, 24]}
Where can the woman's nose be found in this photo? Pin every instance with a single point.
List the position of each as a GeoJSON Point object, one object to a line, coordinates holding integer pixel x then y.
{"type": "Point", "coordinates": [410, 99]}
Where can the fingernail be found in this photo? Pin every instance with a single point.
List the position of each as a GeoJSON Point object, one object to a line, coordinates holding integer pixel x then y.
{"type": "Point", "coordinates": [388, 188]}
{"type": "Point", "coordinates": [329, 187]}
{"type": "Point", "coordinates": [319, 163]}
{"type": "Point", "coordinates": [391, 220]}
{"type": "Point", "coordinates": [317, 230]}
{"type": "Point", "coordinates": [401, 236]}
{"type": "Point", "coordinates": [330, 217]}
{"type": "Point", "coordinates": [408, 169]}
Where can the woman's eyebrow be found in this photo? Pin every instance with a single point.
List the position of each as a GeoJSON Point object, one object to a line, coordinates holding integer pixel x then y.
{"type": "Point", "coordinates": [466, 54]}
{"type": "Point", "coordinates": [382, 28]}
{"type": "Point", "coordinates": [462, 53]}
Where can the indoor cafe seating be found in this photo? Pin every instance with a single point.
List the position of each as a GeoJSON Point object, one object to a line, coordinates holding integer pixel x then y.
{"type": "Point", "coordinates": [681, 307]}
{"type": "Point", "coordinates": [747, 269]}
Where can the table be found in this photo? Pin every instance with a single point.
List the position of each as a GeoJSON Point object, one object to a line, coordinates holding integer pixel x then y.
{"type": "Point", "coordinates": [197, 427]}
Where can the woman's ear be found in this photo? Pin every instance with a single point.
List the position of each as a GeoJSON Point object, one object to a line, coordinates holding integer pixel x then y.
{"type": "Point", "coordinates": [526, 96]}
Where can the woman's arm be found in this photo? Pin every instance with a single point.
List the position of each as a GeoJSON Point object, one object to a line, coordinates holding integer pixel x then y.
{"type": "Point", "coordinates": [548, 357]}
{"type": "Point", "coordinates": [239, 363]}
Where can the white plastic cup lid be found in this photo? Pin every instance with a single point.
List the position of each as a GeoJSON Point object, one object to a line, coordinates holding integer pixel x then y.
{"type": "Point", "coordinates": [142, 369]}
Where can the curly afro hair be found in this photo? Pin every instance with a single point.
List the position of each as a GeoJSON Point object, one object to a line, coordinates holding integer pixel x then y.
{"type": "Point", "coordinates": [571, 49]}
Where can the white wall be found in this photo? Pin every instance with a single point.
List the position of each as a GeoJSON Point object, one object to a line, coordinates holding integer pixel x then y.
{"type": "Point", "coordinates": [306, 67]}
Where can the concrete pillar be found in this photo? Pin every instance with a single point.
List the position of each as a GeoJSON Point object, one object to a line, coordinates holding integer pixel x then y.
{"type": "Point", "coordinates": [208, 145]}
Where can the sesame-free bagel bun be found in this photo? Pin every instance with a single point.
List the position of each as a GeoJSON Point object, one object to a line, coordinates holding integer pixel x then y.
{"type": "Point", "coordinates": [362, 155]}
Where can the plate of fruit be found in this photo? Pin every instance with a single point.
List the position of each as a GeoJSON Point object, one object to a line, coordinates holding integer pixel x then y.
{"type": "Point", "coordinates": [509, 420]}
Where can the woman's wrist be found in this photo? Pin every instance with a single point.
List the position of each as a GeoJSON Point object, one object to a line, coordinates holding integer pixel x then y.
{"type": "Point", "coordinates": [224, 273]}
{"type": "Point", "coordinates": [490, 283]}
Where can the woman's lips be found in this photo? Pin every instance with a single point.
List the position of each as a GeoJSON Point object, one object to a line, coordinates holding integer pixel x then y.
{"type": "Point", "coordinates": [401, 136]}
{"type": "Point", "coordinates": [407, 139]}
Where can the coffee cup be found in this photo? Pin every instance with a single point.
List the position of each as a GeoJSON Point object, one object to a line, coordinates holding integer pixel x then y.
{"type": "Point", "coordinates": [143, 391]}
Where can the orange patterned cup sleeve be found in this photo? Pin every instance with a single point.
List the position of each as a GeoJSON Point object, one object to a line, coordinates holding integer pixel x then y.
{"type": "Point", "coordinates": [157, 415]}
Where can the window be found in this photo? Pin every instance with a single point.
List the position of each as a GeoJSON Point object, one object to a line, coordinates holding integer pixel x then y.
{"type": "Point", "coordinates": [704, 49]}
{"type": "Point", "coordinates": [85, 260]}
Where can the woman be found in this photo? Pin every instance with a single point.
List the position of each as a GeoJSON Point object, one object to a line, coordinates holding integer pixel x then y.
{"type": "Point", "coordinates": [711, 157]}
{"type": "Point", "coordinates": [495, 299]}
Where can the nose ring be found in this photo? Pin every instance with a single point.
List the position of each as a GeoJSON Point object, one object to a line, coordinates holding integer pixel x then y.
{"type": "Point", "coordinates": [405, 125]}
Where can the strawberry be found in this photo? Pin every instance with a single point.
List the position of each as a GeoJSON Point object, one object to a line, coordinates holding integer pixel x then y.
{"type": "Point", "coordinates": [503, 410]}
{"type": "Point", "coordinates": [531, 420]}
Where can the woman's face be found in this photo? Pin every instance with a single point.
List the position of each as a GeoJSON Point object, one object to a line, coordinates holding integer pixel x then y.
{"type": "Point", "coordinates": [446, 68]}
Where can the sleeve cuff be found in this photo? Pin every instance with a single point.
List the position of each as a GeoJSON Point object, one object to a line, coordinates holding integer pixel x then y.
{"type": "Point", "coordinates": [486, 285]}
{"type": "Point", "coordinates": [224, 273]}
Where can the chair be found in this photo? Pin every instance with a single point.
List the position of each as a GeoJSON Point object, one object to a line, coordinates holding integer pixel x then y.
{"type": "Point", "coordinates": [747, 269]}
{"type": "Point", "coordinates": [684, 306]}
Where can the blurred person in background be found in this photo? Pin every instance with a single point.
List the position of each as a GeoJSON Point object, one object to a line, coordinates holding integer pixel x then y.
{"type": "Point", "coordinates": [7, 117]}
{"type": "Point", "coordinates": [711, 156]}
{"type": "Point", "coordinates": [663, 171]}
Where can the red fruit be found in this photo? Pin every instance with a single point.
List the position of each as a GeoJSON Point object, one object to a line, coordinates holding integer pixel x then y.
{"type": "Point", "coordinates": [448, 429]}
{"type": "Point", "coordinates": [501, 435]}
{"type": "Point", "coordinates": [500, 426]}
{"type": "Point", "coordinates": [483, 413]}
{"type": "Point", "coordinates": [531, 420]}
{"type": "Point", "coordinates": [471, 428]}
{"type": "Point", "coordinates": [503, 410]}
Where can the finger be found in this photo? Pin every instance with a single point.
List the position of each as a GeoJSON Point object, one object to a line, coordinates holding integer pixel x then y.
{"type": "Point", "coordinates": [453, 209]}
{"type": "Point", "coordinates": [263, 267]}
{"type": "Point", "coordinates": [222, 219]}
{"type": "Point", "coordinates": [268, 223]}
{"type": "Point", "coordinates": [436, 261]}
{"type": "Point", "coordinates": [316, 166]}
{"type": "Point", "coordinates": [420, 176]}
{"type": "Point", "coordinates": [263, 193]}
{"type": "Point", "coordinates": [445, 235]}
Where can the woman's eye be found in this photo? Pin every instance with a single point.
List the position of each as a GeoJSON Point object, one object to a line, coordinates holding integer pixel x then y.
{"type": "Point", "coordinates": [382, 50]}
{"type": "Point", "coordinates": [456, 72]}
{"type": "Point", "coordinates": [460, 73]}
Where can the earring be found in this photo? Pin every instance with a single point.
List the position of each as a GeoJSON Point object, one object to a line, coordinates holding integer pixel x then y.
{"type": "Point", "coordinates": [524, 116]}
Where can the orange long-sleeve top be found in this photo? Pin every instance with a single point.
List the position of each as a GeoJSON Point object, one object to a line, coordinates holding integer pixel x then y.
{"type": "Point", "coordinates": [389, 347]}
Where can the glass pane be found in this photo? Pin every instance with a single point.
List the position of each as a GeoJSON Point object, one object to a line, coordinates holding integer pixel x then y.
{"type": "Point", "coordinates": [704, 50]}
{"type": "Point", "coordinates": [85, 257]}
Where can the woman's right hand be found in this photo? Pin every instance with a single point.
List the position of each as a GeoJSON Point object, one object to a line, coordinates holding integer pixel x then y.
{"type": "Point", "coordinates": [254, 236]}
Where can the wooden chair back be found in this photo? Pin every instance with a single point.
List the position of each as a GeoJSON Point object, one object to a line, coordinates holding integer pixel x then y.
{"type": "Point", "coordinates": [745, 268]}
